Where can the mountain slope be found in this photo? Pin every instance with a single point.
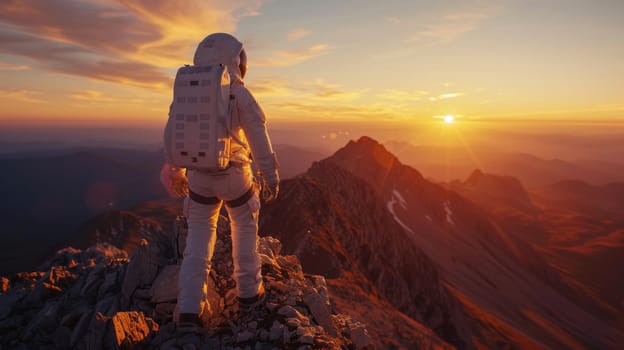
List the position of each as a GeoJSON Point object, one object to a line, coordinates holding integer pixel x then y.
{"type": "Point", "coordinates": [338, 227]}
{"type": "Point", "coordinates": [585, 229]}
{"type": "Point", "coordinates": [508, 280]}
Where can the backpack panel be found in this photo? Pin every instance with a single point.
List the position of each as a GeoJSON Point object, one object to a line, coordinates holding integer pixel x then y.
{"type": "Point", "coordinates": [198, 137]}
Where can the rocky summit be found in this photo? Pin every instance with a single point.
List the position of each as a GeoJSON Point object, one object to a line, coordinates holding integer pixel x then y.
{"type": "Point", "coordinates": [99, 298]}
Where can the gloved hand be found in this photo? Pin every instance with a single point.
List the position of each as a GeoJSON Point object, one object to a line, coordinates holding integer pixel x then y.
{"type": "Point", "coordinates": [270, 189]}
{"type": "Point", "coordinates": [174, 180]}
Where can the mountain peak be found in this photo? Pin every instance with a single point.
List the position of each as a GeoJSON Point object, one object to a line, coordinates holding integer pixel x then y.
{"type": "Point", "coordinates": [367, 140]}
{"type": "Point", "coordinates": [366, 151]}
{"type": "Point", "coordinates": [474, 177]}
{"type": "Point", "coordinates": [496, 190]}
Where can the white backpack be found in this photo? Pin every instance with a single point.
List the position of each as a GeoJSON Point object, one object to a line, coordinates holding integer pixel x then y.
{"type": "Point", "coordinates": [198, 136]}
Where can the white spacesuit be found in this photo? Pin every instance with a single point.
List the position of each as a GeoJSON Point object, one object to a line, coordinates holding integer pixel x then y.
{"type": "Point", "coordinates": [234, 185]}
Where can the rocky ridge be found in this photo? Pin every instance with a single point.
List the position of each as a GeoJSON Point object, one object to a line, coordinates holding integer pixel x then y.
{"type": "Point", "coordinates": [339, 227]}
{"type": "Point", "coordinates": [98, 298]}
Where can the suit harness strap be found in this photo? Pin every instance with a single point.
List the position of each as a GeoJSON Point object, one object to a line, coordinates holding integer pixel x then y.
{"type": "Point", "coordinates": [237, 202]}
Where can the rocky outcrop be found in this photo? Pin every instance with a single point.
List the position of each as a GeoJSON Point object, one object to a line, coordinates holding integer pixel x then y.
{"type": "Point", "coordinates": [99, 298]}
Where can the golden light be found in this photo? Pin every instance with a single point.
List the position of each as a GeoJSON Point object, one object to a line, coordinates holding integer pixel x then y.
{"type": "Point", "coordinates": [449, 119]}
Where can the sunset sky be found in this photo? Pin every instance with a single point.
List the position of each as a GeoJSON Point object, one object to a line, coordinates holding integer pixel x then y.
{"type": "Point", "coordinates": [101, 62]}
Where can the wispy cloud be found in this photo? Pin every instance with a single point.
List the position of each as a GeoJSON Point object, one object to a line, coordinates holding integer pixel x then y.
{"type": "Point", "coordinates": [298, 34]}
{"type": "Point", "coordinates": [317, 89]}
{"type": "Point", "coordinates": [124, 41]}
{"type": "Point", "coordinates": [449, 27]}
{"type": "Point", "coordinates": [435, 29]}
{"type": "Point", "coordinates": [270, 87]}
{"type": "Point", "coordinates": [446, 96]}
{"type": "Point", "coordinates": [30, 96]}
{"type": "Point", "coordinates": [89, 98]}
{"type": "Point", "coordinates": [284, 58]}
{"type": "Point", "coordinates": [321, 89]}
{"type": "Point", "coordinates": [336, 111]}
{"type": "Point", "coordinates": [4, 66]}
{"type": "Point", "coordinates": [92, 96]}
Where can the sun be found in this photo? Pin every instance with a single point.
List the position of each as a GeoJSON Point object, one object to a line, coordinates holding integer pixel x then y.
{"type": "Point", "coordinates": [449, 119]}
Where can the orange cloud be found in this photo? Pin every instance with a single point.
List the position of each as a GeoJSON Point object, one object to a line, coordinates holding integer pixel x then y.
{"type": "Point", "coordinates": [122, 41]}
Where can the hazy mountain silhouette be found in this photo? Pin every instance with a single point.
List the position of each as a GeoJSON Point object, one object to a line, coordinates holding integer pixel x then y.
{"type": "Point", "coordinates": [294, 161]}
{"type": "Point", "coordinates": [44, 198]}
{"type": "Point", "coordinates": [452, 163]}
{"type": "Point", "coordinates": [47, 194]}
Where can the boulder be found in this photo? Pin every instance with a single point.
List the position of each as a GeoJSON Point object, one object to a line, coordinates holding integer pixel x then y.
{"type": "Point", "coordinates": [8, 300]}
{"type": "Point", "coordinates": [269, 246]}
{"type": "Point", "coordinates": [94, 281]}
{"type": "Point", "coordinates": [81, 328]}
{"type": "Point", "coordinates": [96, 335]}
{"type": "Point", "coordinates": [165, 286]}
{"type": "Point", "coordinates": [141, 271]}
{"type": "Point", "coordinates": [130, 328]}
{"type": "Point", "coordinates": [360, 337]}
{"type": "Point", "coordinates": [109, 285]}
{"type": "Point", "coordinates": [45, 320]}
{"type": "Point", "coordinates": [5, 284]}
{"type": "Point", "coordinates": [59, 276]}
{"type": "Point", "coordinates": [319, 308]}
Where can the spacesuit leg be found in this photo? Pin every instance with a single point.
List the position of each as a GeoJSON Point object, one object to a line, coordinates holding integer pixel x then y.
{"type": "Point", "coordinates": [244, 224]}
{"type": "Point", "coordinates": [245, 249]}
{"type": "Point", "coordinates": [200, 242]}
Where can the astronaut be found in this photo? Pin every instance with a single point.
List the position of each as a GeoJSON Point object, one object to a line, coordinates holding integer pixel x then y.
{"type": "Point", "coordinates": [207, 191]}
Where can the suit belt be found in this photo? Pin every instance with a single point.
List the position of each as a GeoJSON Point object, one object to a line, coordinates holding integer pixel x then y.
{"type": "Point", "coordinates": [237, 202]}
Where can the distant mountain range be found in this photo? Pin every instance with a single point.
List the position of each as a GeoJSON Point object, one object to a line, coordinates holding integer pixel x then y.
{"type": "Point", "coordinates": [46, 195]}
{"type": "Point", "coordinates": [477, 263]}
{"type": "Point", "coordinates": [451, 163]}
